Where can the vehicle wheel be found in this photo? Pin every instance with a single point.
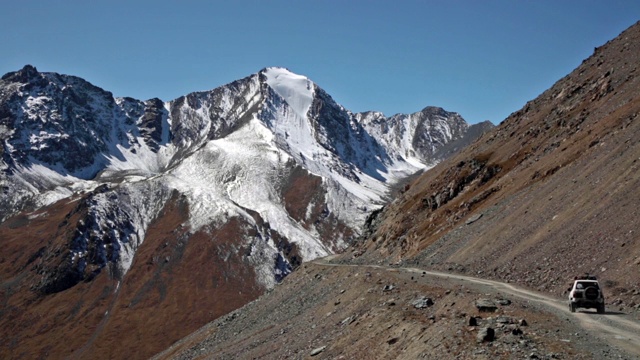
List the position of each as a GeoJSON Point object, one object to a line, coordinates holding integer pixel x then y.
{"type": "Point", "coordinates": [601, 309]}
{"type": "Point", "coordinates": [591, 293]}
{"type": "Point", "coordinates": [572, 307]}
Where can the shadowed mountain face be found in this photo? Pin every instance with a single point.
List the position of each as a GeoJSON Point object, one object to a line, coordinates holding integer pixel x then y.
{"type": "Point", "coordinates": [549, 194]}
{"type": "Point", "coordinates": [127, 224]}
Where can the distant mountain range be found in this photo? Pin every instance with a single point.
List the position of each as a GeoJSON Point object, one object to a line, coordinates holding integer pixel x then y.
{"type": "Point", "coordinates": [115, 206]}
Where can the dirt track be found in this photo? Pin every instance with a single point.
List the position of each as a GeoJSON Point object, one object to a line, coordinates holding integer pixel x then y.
{"type": "Point", "coordinates": [613, 327]}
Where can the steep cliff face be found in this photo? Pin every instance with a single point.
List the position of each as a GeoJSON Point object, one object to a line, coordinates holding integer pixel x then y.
{"type": "Point", "coordinates": [121, 197]}
{"type": "Point", "coordinates": [547, 195]}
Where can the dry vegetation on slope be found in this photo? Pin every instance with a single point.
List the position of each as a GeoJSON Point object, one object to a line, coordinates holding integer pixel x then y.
{"type": "Point", "coordinates": [551, 193]}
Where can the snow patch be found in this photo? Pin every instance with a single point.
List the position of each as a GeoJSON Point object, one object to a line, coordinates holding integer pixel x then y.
{"type": "Point", "coordinates": [295, 89]}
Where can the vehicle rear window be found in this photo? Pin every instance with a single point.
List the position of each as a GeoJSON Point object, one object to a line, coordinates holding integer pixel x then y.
{"type": "Point", "coordinates": [585, 284]}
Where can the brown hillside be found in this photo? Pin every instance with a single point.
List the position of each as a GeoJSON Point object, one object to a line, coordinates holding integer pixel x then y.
{"type": "Point", "coordinates": [550, 193]}
{"type": "Point", "coordinates": [177, 283]}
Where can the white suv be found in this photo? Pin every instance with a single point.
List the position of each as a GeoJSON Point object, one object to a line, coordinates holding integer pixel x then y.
{"type": "Point", "coordinates": [586, 293]}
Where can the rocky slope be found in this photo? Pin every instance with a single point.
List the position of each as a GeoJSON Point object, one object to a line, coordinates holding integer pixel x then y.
{"type": "Point", "coordinates": [547, 195]}
{"type": "Point", "coordinates": [115, 211]}
{"type": "Point", "coordinates": [364, 312]}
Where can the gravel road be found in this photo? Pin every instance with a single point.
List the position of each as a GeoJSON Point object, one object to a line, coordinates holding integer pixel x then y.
{"type": "Point", "coordinates": [615, 328]}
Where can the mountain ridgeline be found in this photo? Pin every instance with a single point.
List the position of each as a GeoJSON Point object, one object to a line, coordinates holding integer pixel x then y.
{"type": "Point", "coordinates": [115, 209]}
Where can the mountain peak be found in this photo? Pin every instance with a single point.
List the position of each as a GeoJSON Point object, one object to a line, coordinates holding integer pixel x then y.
{"type": "Point", "coordinates": [283, 74]}
{"type": "Point", "coordinates": [24, 75]}
{"type": "Point", "coordinates": [435, 110]}
{"type": "Point", "coordinates": [276, 68]}
{"type": "Point", "coordinates": [29, 69]}
{"type": "Point", "coordinates": [296, 90]}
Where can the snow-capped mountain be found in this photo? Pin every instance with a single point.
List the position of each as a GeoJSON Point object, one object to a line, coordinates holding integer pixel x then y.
{"type": "Point", "coordinates": [239, 184]}
{"type": "Point", "coordinates": [227, 150]}
{"type": "Point", "coordinates": [422, 138]}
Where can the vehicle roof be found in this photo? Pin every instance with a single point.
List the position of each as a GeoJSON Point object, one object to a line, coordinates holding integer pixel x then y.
{"type": "Point", "coordinates": [593, 281]}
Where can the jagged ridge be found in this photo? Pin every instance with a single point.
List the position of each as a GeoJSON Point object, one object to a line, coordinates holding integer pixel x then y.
{"type": "Point", "coordinates": [259, 174]}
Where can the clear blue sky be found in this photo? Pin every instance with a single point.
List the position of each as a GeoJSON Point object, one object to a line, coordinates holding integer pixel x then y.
{"type": "Point", "coordinates": [483, 59]}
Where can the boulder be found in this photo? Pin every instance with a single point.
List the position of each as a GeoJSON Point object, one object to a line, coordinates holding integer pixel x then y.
{"type": "Point", "coordinates": [422, 302]}
{"type": "Point", "coordinates": [485, 305]}
{"type": "Point", "coordinates": [473, 219]}
{"type": "Point", "coordinates": [486, 334]}
{"type": "Point", "coordinates": [504, 302]}
{"type": "Point", "coordinates": [317, 351]}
